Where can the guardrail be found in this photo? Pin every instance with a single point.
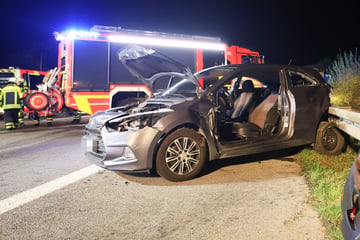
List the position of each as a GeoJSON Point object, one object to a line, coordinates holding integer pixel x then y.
{"type": "Point", "coordinates": [347, 120]}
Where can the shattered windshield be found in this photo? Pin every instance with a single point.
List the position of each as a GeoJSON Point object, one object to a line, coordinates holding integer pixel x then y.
{"type": "Point", "coordinates": [185, 88]}
{"type": "Point", "coordinates": [209, 76]}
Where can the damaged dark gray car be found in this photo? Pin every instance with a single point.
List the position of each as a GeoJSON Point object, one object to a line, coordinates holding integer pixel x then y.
{"type": "Point", "coordinates": [221, 112]}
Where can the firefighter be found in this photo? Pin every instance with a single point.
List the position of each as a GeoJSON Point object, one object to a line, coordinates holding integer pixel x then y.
{"type": "Point", "coordinates": [22, 84]}
{"type": "Point", "coordinates": [49, 119]}
{"type": "Point", "coordinates": [48, 111]}
{"type": "Point", "coordinates": [11, 100]}
{"type": "Point", "coordinates": [36, 119]}
{"type": "Point", "coordinates": [24, 87]}
{"type": "Point", "coordinates": [76, 117]}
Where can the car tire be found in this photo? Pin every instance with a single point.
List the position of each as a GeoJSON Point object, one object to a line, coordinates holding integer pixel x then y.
{"type": "Point", "coordinates": [329, 140]}
{"type": "Point", "coordinates": [181, 156]}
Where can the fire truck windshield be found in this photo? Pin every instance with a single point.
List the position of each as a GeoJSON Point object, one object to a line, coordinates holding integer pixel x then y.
{"type": "Point", "coordinates": [4, 76]}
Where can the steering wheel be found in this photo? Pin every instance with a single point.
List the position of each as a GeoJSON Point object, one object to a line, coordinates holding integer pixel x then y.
{"type": "Point", "coordinates": [225, 104]}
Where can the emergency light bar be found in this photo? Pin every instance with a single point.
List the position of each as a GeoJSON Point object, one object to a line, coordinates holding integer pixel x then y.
{"type": "Point", "coordinates": [82, 34]}
{"type": "Point", "coordinates": [72, 34]}
{"type": "Point", "coordinates": [166, 42]}
{"type": "Point", "coordinates": [142, 40]}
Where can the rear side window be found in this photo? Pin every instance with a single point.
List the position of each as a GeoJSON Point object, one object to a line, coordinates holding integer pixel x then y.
{"type": "Point", "coordinates": [298, 79]}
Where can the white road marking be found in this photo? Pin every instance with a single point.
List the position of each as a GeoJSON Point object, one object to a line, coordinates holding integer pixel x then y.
{"type": "Point", "coordinates": [46, 188]}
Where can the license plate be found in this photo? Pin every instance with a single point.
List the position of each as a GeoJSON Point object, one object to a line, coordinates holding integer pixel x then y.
{"type": "Point", "coordinates": [90, 144]}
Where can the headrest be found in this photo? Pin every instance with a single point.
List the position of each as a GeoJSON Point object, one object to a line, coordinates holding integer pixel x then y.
{"type": "Point", "coordinates": [248, 86]}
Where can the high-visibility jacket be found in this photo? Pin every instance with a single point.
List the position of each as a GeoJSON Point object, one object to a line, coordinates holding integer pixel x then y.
{"type": "Point", "coordinates": [22, 83]}
{"type": "Point", "coordinates": [11, 97]}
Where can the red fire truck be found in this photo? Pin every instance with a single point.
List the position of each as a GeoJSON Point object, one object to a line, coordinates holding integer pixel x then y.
{"type": "Point", "coordinates": [92, 78]}
{"type": "Point", "coordinates": [33, 78]}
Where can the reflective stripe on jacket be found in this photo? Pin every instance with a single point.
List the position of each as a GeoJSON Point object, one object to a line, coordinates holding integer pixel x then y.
{"type": "Point", "coordinates": [11, 97]}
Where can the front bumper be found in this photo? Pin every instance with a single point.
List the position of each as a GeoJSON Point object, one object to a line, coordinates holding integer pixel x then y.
{"type": "Point", "coordinates": [123, 151]}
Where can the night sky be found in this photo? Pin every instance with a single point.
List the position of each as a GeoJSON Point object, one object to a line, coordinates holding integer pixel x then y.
{"type": "Point", "coordinates": [303, 32]}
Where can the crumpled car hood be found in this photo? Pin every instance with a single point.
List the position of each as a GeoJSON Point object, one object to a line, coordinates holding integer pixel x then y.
{"type": "Point", "coordinates": [150, 66]}
{"type": "Point", "coordinates": [150, 105]}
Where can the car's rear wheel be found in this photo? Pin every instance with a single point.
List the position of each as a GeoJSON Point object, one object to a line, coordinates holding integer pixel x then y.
{"type": "Point", "coordinates": [181, 156]}
{"type": "Point", "coordinates": [329, 140]}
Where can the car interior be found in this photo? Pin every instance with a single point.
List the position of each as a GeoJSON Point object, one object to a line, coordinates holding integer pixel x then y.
{"type": "Point", "coordinates": [248, 109]}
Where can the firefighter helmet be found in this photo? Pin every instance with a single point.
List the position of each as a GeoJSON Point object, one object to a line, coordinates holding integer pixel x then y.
{"type": "Point", "coordinates": [12, 80]}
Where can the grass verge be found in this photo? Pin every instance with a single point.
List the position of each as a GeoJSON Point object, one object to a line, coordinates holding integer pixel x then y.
{"type": "Point", "coordinates": [345, 79]}
{"type": "Point", "coordinates": [326, 176]}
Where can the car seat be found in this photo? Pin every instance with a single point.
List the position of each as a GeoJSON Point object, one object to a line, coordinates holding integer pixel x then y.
{"type": "Point", "coordinates": [243, 103]}
{"type": "Point", "coordinates": [262, 120]}
{"type": "Point", "coordinates": [235, 91]}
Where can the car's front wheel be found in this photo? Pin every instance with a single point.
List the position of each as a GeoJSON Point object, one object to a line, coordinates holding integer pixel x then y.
{"type": "Point", "coordinates": [329, 140]}
{"type": "Point", "coordinates": [181, 156]}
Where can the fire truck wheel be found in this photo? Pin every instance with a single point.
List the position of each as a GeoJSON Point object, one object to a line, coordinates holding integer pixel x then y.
{"type": "Point", "coordinates": [36, 101]}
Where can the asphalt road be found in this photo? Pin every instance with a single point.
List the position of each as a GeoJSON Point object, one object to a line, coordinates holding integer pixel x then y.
{"type": "Point", "coordinates": [50, 191]}
{"type": "Point", "coordinates": [31, 156]}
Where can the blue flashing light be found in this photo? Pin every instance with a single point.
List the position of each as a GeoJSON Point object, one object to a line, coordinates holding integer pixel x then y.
{"type": "Point", "coordinates": [72, 34]}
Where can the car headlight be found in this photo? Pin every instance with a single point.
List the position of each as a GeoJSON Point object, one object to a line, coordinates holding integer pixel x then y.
{"type": "Point", "coordinates": [134, 123]}
{"type": "Point", "coordinates": [137, 121]}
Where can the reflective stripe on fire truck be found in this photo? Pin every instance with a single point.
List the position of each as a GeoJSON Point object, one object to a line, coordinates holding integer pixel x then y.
{"type": "Point", "coordinates": [83, 103]}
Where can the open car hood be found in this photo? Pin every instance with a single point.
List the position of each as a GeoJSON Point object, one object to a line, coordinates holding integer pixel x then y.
{"type": "Point", "coordinates": [154, 69]}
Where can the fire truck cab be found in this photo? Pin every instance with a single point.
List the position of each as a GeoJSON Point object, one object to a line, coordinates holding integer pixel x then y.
{"type": "Point", "coordinates": [32, 77]}
{"type": "Point", "coordinates": [92, 78]}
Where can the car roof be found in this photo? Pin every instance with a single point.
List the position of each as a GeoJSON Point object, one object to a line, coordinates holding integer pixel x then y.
{"type": "Point", "coordinates": [266, 72]}
{"type": "Point", "coordinates": [244, 67]}
{"type": "Point", "coordinates": [261, 69]}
